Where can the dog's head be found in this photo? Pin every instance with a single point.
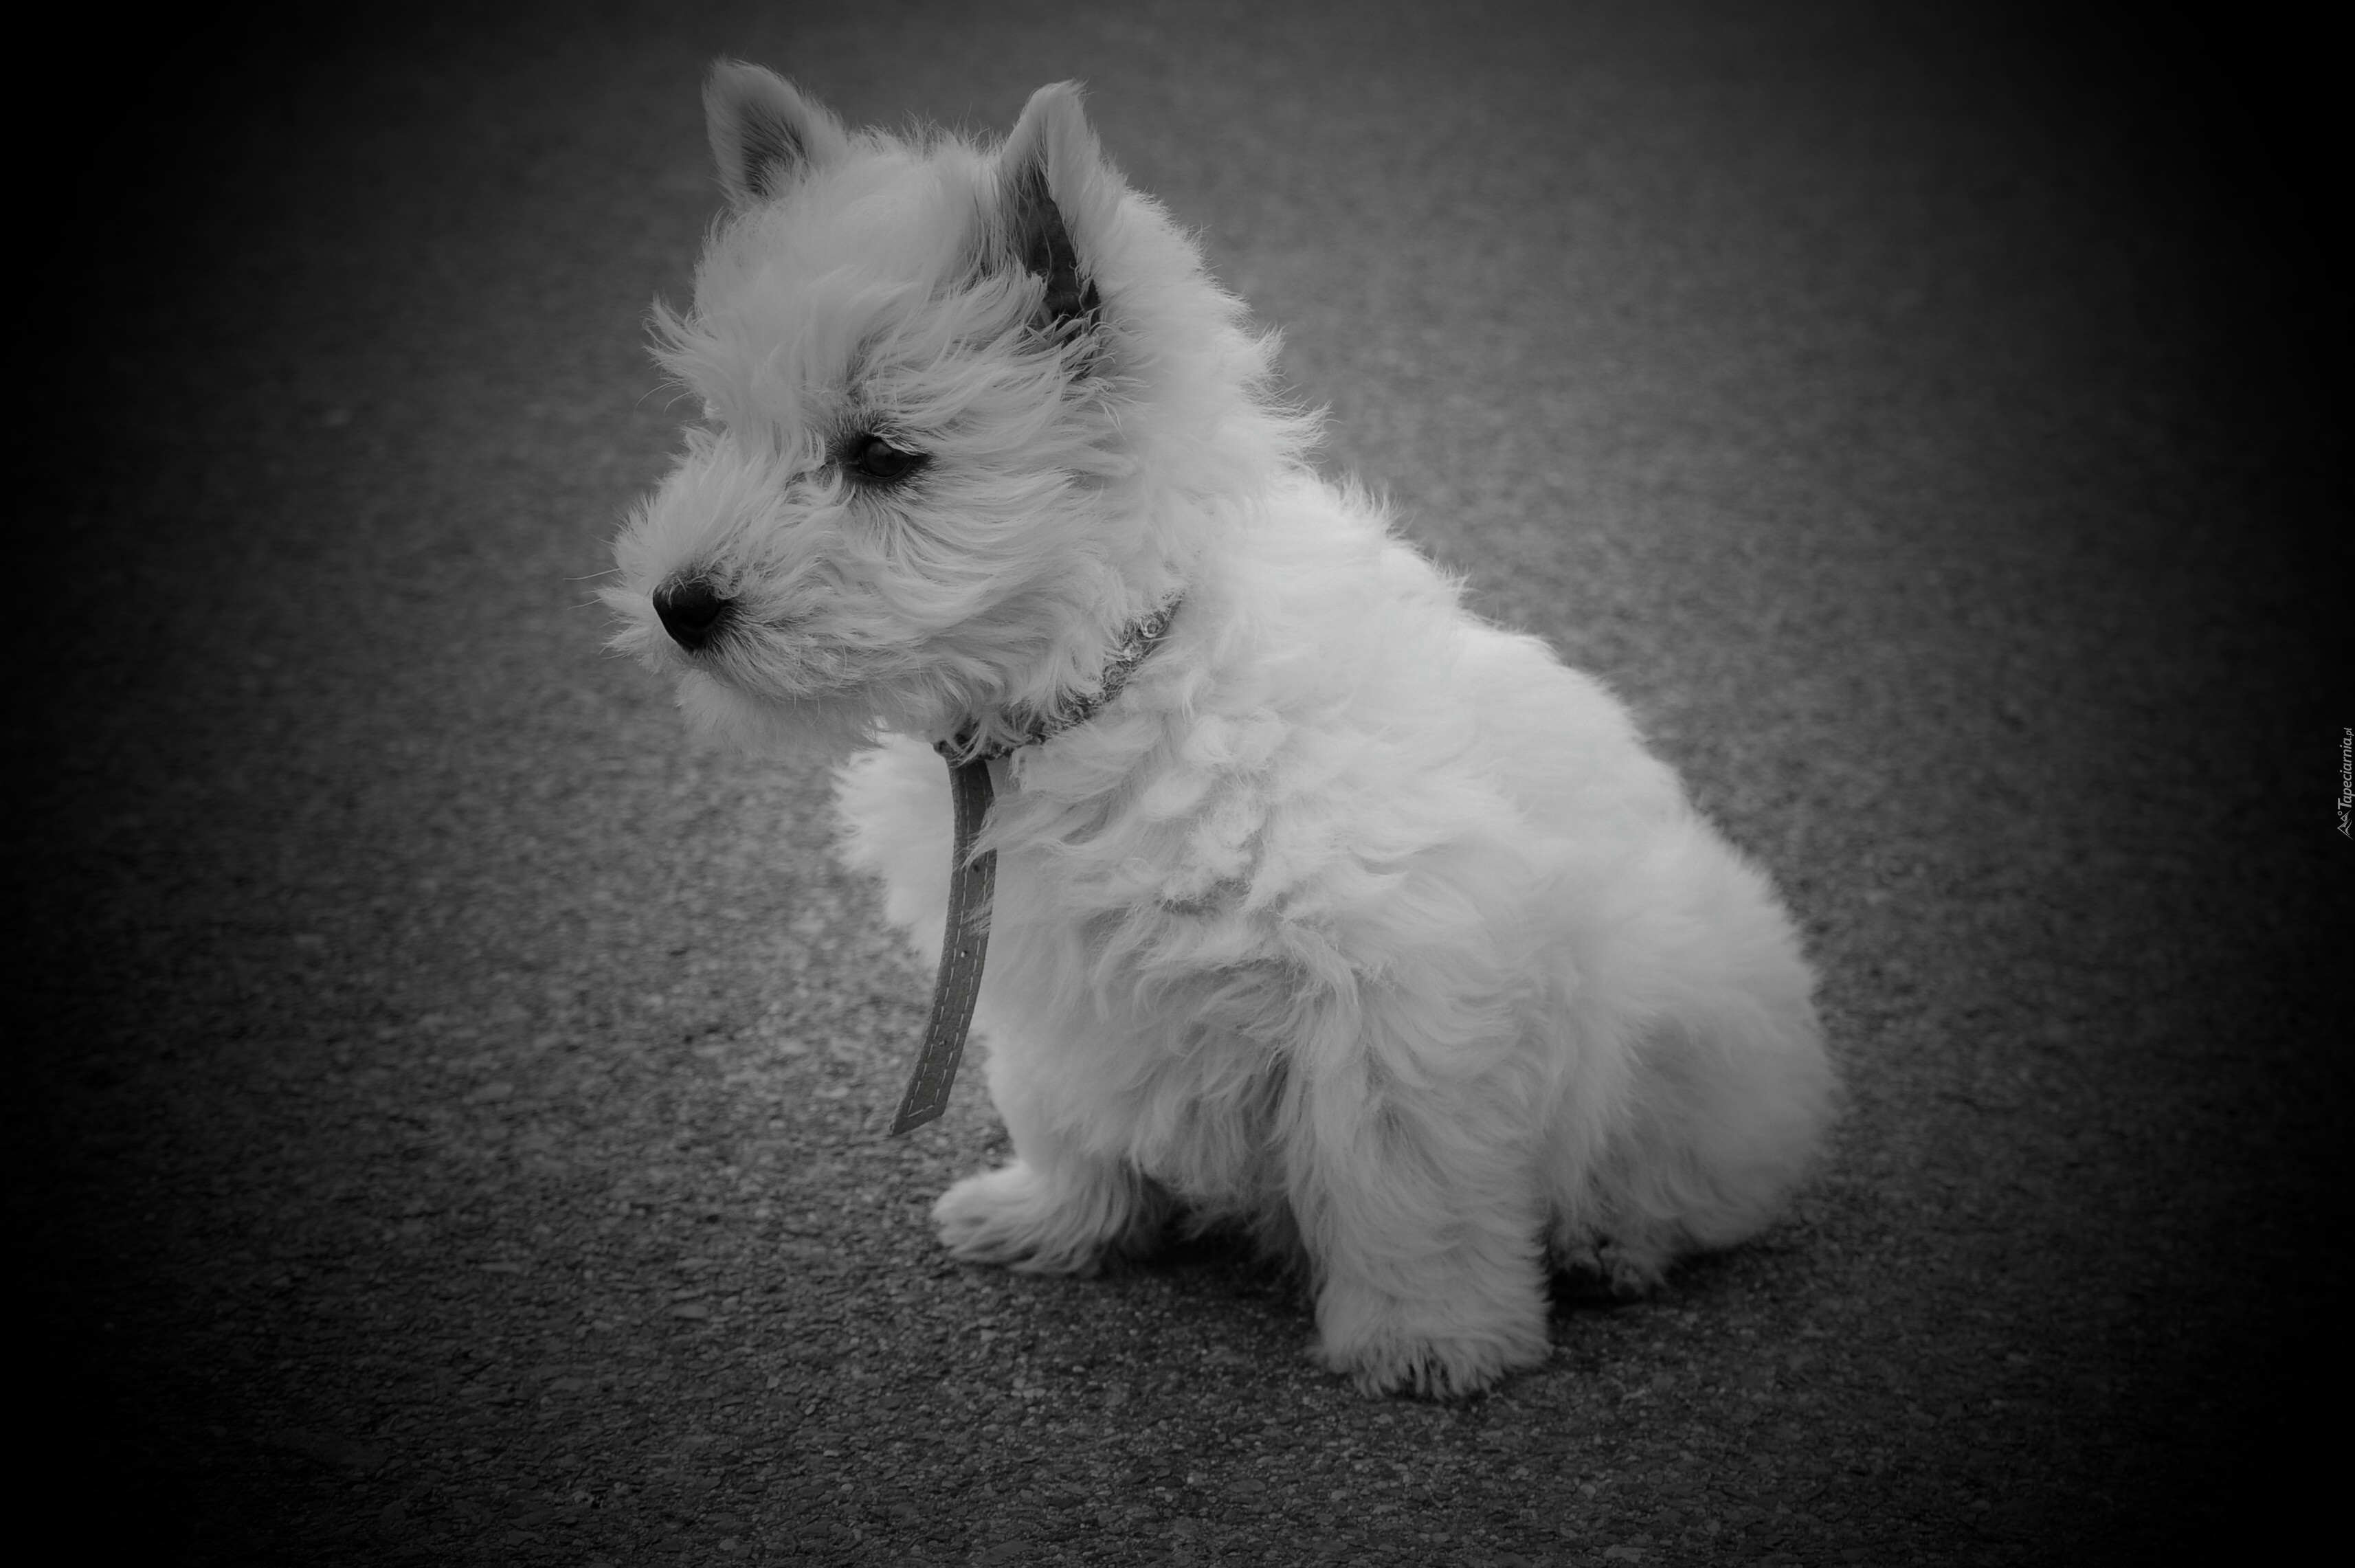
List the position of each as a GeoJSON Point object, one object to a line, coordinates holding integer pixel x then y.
{"type": "Point", "coordinates": [966, 412]}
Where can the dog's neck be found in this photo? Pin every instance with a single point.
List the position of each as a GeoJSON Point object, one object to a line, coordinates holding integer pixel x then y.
{"type": "Point", "coordinates": [1137, 641]}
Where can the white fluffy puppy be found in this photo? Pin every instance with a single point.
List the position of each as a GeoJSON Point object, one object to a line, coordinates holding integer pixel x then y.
{"type": "Point", "coordinates": [1350, 916]}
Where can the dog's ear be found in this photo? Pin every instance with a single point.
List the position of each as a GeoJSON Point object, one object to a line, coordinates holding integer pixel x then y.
{"type": "Point", "coordinates": [1054, 189]}
{"type": "Point", "coordinates": [764, 134]}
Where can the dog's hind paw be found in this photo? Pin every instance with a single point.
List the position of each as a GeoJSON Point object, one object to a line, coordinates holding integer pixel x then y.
{"type": "Point", "coordinates": [1017, 1217]}
{"type": "Point", "coordinates": [1625, 1269]}
{"type": "Point", "coordinates": [1382, 1355]}
{"type": "Point", "coordinates": [1429, 1369]}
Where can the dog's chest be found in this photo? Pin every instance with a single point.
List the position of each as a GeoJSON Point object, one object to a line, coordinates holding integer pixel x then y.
{"type": "Point", "coordinates": [1161, 1026]}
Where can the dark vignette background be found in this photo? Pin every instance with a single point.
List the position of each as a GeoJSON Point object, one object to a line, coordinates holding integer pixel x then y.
{"type": "Point", "coordinates": [448, 1102]}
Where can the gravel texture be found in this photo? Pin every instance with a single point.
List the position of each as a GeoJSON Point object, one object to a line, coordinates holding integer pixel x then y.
{"type": "Point", "coordinates": [450, 1107]}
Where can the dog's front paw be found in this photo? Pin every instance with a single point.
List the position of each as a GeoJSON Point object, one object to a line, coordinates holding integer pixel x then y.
{"type": "Point", "coordinates": [1017, 1217]}
{"type": "Point", "coordinates": [1378, 1345]}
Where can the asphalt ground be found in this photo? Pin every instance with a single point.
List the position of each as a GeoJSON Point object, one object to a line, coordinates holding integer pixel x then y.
{"type": "Point", "coordinates": [449, 1102]}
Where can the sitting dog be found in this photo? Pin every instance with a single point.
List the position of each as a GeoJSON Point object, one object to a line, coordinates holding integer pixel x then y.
{"type": "Point", "coordinates": [1320, 904]}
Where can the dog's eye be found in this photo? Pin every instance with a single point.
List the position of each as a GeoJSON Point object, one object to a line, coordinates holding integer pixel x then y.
{"type": "Point", "coordinates": [872, 458]}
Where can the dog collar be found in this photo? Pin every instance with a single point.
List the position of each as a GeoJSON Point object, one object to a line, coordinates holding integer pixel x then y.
{"type": "Point", "coordinates": [1142, 636]}
{"type": "Point", "coordinates": [973, 879]}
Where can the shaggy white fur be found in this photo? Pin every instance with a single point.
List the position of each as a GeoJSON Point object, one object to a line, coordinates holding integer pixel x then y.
{"type": "Point", "coordinates": [1352, 918]}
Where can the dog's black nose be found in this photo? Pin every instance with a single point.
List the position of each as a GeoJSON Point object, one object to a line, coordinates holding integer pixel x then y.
{"type": "Point", "coordinates": [692, 611]}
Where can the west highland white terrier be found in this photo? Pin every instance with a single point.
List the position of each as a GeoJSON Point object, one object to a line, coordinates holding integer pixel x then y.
{"type": "Point", "coordinates": [1320, 904]}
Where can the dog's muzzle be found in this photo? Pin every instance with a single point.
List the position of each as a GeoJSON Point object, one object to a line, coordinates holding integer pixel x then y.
{"type": "Point", "coordinates": [692, 611]}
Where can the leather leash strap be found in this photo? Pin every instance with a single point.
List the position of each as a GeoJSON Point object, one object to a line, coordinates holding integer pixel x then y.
{"type": "Point", "coordinates": [972, 879]}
